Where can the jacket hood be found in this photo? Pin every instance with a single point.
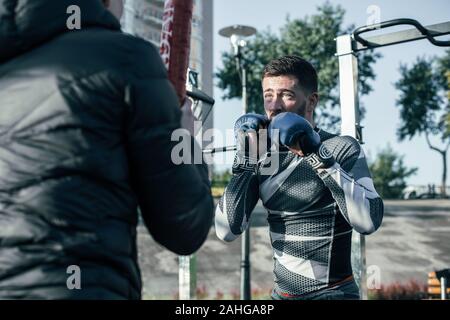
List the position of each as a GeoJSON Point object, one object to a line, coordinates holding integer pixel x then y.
{"type": "Point", "coordinates": [25, 24]}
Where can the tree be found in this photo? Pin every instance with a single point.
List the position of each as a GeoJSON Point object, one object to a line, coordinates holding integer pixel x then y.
{"type": "Point", "coordinates": [424, 106]}
{"type": "Point", "coordinates": [444, 82]}
{"type": "Point", "coordinates": [390, 173]}
{"type": "Point", "coordinates": [221, 179]}
{"type": "Point", "coordinates": [311, 38]}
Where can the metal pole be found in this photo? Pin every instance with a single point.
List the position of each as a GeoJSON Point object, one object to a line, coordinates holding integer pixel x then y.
{"type": "Point", "coordinates": [236, 33]}
{"type": "Point", "coordinates": [244, 89]}
{"type": "Point", "coordinates": [348, 87]}
{"type": "Point", "coordinates": [443, 288]}
{"type": "Point", "coordinates": [220, 149]}
{"type": "Point", "coordinates": [245, 240]}
{"type": "Point", "coordinates": [187, 277]}
{"type": "Point", "coordinates": [245, 266]}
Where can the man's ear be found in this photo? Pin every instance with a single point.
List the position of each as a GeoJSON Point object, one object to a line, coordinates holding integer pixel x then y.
{"type": "Point", "coordinates": [313, 100]}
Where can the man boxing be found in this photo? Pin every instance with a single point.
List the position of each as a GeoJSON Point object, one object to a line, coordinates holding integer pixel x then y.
{"type": "Point", "coordinates": [320, 192]}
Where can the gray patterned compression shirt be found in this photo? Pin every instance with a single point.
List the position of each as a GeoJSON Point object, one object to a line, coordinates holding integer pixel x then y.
{"type": "Point", "coordinates": [311, 213]}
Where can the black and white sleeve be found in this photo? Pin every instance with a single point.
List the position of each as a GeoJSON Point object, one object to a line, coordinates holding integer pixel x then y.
{"type": "Point", "coordinates": [354, 192]}
{"type": "Point", "coordinates": [233, 211]}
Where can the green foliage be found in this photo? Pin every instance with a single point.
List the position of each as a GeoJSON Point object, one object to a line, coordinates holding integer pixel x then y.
{"type": "Point", "coordinates": [390, 173]}
{"type": "Point", "coordinates": [424, 104]}
{"type": "Point", "coordinates": [443, 74]}
{"type": "Point", "coordinates": [420, 99]}
{"type": "Point", "coordinates": [221, 179]}
{"type": "Point", "coordinates": [447, 123]}
{"type": "Point", "coordinates": [312, 38]}
{"type": "Point", "coordinates": [443, 69]}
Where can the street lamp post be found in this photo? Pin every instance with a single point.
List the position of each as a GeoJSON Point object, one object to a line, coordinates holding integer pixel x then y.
{"type": "Point", "coordinates": [236, 34]}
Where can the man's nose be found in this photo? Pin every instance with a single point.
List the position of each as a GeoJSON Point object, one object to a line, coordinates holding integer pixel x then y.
{"type": "Point", "coordinates": [275, 105]}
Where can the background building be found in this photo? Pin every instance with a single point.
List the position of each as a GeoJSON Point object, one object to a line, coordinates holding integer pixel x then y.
{"type": "Point", "coordinates": [143, 18]}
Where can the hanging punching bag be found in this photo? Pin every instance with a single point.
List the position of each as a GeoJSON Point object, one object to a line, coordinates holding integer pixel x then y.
{"type": "Point", "coordinates": [175, 42]}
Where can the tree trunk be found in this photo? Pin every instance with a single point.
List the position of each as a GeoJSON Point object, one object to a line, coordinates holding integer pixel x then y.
{"type": "Point", "coordinates": [444, 168]}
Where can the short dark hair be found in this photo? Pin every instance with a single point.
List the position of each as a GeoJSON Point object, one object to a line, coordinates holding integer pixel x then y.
{"type": "Point", "coordinates": [293, 66]}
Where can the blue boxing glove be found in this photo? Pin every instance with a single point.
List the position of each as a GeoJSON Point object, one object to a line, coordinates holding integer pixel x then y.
{"type": "Point", "coordinates": [250, 122]}
{"type": "Point", "coordinates": [295, 129]}
{"type": "Point", "coordinates": [246, 131]}
{"type": "Point", "coordinates": [295, 132]}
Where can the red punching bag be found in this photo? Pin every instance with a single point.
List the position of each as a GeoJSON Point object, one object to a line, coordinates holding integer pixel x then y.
{"type": "Point", "coordinates": [175, 42]}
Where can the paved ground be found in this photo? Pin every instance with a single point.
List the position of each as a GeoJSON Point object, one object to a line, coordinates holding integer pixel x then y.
{"type": "Point", "coordinates": [217, 265]}
{"type": "Point", "coordinates": [413, 240]}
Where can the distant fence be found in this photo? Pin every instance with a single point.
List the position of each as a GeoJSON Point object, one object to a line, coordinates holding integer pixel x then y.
{"type": "Point", "coordinates": [424, 192]}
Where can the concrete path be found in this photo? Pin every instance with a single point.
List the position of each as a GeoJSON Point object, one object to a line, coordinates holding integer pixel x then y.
{"type": "Point", "coordinates": [413, 240]}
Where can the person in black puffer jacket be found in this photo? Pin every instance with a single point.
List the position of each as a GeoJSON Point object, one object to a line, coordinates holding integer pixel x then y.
{"type": "Point", "coordinates": [86, 118]}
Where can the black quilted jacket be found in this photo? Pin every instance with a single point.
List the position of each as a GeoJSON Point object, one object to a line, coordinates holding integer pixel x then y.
{"type": "Point", "coordinates": [86, 118]}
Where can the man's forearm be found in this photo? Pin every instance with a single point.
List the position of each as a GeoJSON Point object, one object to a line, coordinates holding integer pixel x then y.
{"type": "Point", "coordinates": [358, 201]}
{"type": "Point", "coordinates": [234, 208]}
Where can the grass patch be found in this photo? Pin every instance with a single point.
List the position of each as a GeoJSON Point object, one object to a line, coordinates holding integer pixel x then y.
{"type": "Point", "coordinates": [411, 290]}
{"type": "Point", "coordinates": [204, 294]}
{"type": "Point", "coordinates": [217, 192]}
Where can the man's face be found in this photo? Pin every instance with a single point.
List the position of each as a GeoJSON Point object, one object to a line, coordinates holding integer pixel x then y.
{"type": "Point", "coordinates": [283, 94]}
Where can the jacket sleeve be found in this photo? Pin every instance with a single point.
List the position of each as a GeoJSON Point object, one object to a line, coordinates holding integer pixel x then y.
{"type": "Point", "coordinates": [237, 203]}
{"type": "Point", "coordinates": [174, 199]}
{"type": "Point", "coordinates": [354, 192]}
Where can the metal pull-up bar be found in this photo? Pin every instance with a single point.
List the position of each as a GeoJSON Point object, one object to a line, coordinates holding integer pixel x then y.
{"type": "Point", "coordinates": [417, 33]}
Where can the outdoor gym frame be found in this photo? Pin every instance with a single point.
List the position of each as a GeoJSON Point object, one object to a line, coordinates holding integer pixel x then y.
{"type": "Point", "coordinates": [347, 48]}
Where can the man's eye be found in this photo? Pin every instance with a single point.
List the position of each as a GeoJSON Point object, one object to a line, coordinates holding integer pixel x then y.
{"type": "Point", "coordinates": [288, 95]}
{"type": "Point", "coordinates": [268, 96]}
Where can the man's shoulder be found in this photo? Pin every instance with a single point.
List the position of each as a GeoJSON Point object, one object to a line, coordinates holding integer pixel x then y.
{"type": "Point", "coordinates": [344, 142]}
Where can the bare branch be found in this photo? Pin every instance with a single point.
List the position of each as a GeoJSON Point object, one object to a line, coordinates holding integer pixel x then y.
{"type": "Point", "coordinates": [433, 147]}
